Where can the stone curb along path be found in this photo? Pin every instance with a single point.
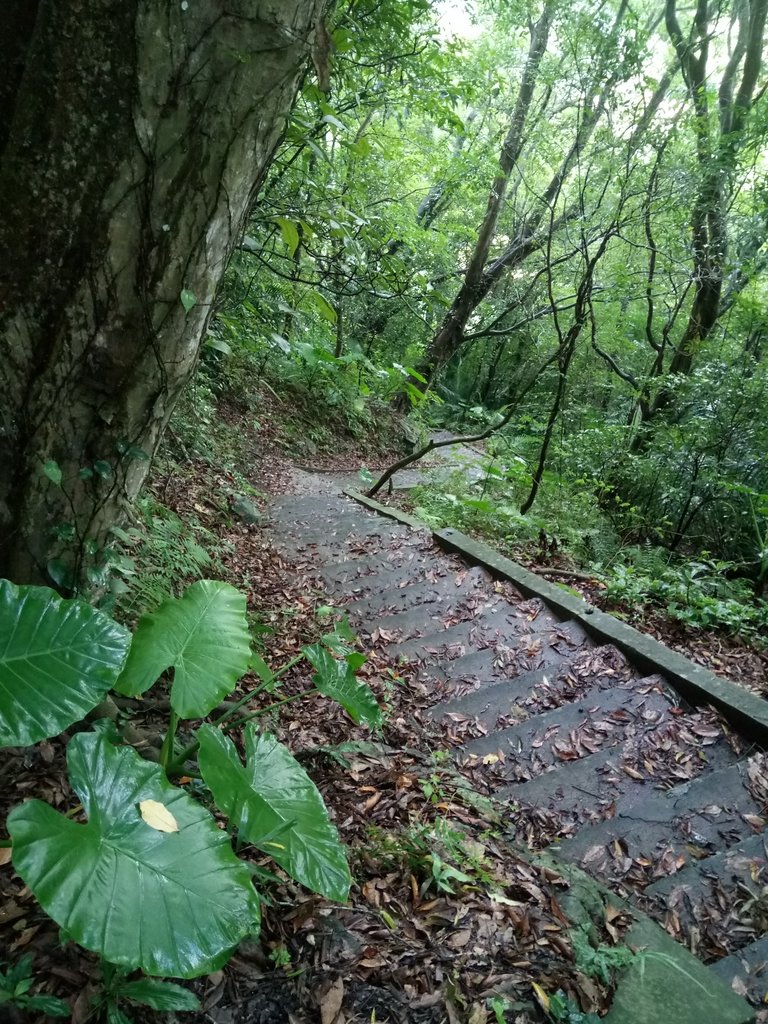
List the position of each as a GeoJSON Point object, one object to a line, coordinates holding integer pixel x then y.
{"type": "Point", "coordinates": [693, 681]}
{"type": "Point", "coordinates": [644, 797]}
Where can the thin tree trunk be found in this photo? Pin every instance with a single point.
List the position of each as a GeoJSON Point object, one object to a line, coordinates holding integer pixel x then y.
{"type": "Point", "coordinates": [474, 287]}
{"type": "Point", "coordinates": [716, 159]}
{"type": "Point", "coordinates": [139, 136]}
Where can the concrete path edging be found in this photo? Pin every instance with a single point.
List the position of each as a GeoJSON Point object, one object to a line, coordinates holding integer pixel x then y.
{"type": "Point", "coordinates": [665, 981]}
{"type": "Point", "coordinates": [695, 683]}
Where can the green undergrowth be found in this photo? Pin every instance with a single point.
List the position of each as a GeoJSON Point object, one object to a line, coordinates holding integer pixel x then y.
{"type": "Point", "coordinates": [311, 409]}
{"type": "Point", "coordinates": [166, 552]}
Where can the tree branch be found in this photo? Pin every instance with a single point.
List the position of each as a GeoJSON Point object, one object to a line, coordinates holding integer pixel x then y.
{"type": "Point", "coordinates": [467, 439]}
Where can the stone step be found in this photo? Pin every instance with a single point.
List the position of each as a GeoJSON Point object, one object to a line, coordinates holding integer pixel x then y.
{"type": "Point", "coordinates": [716, 906]}
{"type": "Point", "coordinates": [668, 828]}
{"type": "Point", "coordinates": [332, 550]}
{"type": "Point", "coordinates": [559, 802]}
{"type": "Point", "coordinates": [442, 585]}
{"type": "Point", "coordinates": [502, 624]}
{"type": "Point", "coordinates": [607, 766]}
{"type": "Point", "coordinates": [416, 622]}
{"type": "Point", "coordinates": [322, 527]}
{"type": "Point", "coordinates": [487, 704]}
{"type": "Point", "coordinates": [437, 616]}
{"type": "Point", "coordinates": [288, 507]}
{"type": "Point", "coordinates": [745, 860]}
{"type": "Point", "coordinates": [600, 719]}
{"type": "Point", "coordinates": [376, 571]}
{"type": "Point", "coordinates": [490, 689]}
{"type": "Point", "coordinates": [746, 972]}
{"type": "Point", "coordinates": [498, 664]}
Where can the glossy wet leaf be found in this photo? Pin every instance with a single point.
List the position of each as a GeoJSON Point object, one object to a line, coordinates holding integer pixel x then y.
{"type": "Point", "coordinates": [203, 636]}
{"type": "Point", "coordinates": [169, 904]}
{"type": "Point", "coordinates": [336, 679]}
{"type": "Point", "coordinates": [58, 658]}
{"type": "Point", "coordinates": [52, 470]}
{"type": "Point", "coordinates": [268, 793]}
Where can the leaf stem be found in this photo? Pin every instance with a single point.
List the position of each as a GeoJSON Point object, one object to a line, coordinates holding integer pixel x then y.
{"type": "Point", "coordinates": [166, 751]}
{"type": "Point", "coordinates": [271, 707]}
{"type": "Point", "coordinates": [177, 764]}
{"type": "Point", "coordinates": [243, 700]}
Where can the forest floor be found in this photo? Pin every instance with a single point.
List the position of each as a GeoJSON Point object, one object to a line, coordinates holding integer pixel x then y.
{"type": "Point", "coordinates": [391, 797]}
{"type": "Point", "coordinates": [412, 945]}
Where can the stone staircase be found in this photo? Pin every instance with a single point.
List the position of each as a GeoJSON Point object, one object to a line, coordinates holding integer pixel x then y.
{"type": "Point", "coordinates": [603, 764]}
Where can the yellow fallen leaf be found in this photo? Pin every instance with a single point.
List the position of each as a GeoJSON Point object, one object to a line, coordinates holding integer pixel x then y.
{"type": "Point", "coordinates": [541, 995]}
{"type": "Point", "coordinates": [158, 816]}
{"type": "Point", "coordinates": [490, 759]}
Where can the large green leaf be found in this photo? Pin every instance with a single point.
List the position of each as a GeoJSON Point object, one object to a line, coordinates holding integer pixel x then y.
{"type": "Point", "coordinates": [170, 903]}
{"type": "Point", "coordinates": [336, 679]}
{"type": "Point", "coordinates": [58, 659]}
{"type": "Point", "coordinates": [276, 806]}
{"type": "Point", "coordinates": [203, 636]}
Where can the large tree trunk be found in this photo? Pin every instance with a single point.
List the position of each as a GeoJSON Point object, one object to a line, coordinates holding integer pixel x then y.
{"type": "Point", "coordinates": [134, 137]}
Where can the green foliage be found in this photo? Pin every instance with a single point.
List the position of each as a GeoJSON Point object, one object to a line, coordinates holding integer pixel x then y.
{"type": "Point", "coordinates": [697, 593]}
{"type": "Point", "coordinates": [166, 554]}
{"type": "Point", "coordinates": [599, 961]}
{"type": "Point", "coordinates": [203, 636]}
{"type": "Point", "coordinates": [15, 985]}
{"type": "Point", "coordinates": [432, 853]}
{"type": "Point", "coordinates": [171, 903]}
{"type": "Point", "coordinates": [149, 881]}
{"type": "Point", "coordinates": [563, 1010]}
{"type": "Point", "coordinates": [116, 990]}
{"type": "Point", "coordinates": [275, 806]}
{"type": "Point", "coordinates": [490, 506]}
{"type": "Point", "coordinates": [58, 659]}
{"type": "Point", "coordinates": [336, 679]}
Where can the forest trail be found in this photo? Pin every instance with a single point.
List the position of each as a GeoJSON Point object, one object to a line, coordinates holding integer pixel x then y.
{"type": "Point", "coordinates": [611, 769]}
{"type": "Point", "coordinates": [441, 463]}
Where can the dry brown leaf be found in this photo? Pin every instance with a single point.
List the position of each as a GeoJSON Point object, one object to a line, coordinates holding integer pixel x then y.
{"type": "Point", "coordinates": [330, 1002]}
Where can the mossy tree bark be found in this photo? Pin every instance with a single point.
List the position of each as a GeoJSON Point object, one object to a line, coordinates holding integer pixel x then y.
{"type": "Point", "coordinates": [134, 137]}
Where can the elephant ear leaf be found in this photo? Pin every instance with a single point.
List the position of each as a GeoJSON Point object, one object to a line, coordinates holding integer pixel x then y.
{"type": "Point", "coordinates": [335, 678]}
{"type": "Point", "coordinates": [276, 807]}
{"type": "Point", "coordinates": [170, 903]}
{"type": "Point", "coordinates": [203, 636]}
{"type": "Point", "coordinates": [58, 659]}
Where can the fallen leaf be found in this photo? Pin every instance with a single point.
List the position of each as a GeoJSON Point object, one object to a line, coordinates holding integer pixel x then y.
{"type": "Point", "coordinates": [157, 816]}
{"type": "Point", "coordinates": [330, 1003]}
{"type": "Point", "coordinates": [541, 996]}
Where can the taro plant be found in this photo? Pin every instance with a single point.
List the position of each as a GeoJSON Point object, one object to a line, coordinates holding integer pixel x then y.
{"type": "Point", "coordinates": [149, 880]}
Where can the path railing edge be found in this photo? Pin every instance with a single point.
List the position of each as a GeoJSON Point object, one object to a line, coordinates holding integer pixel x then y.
{"type": "Point", "coordinates": [694, 682]}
